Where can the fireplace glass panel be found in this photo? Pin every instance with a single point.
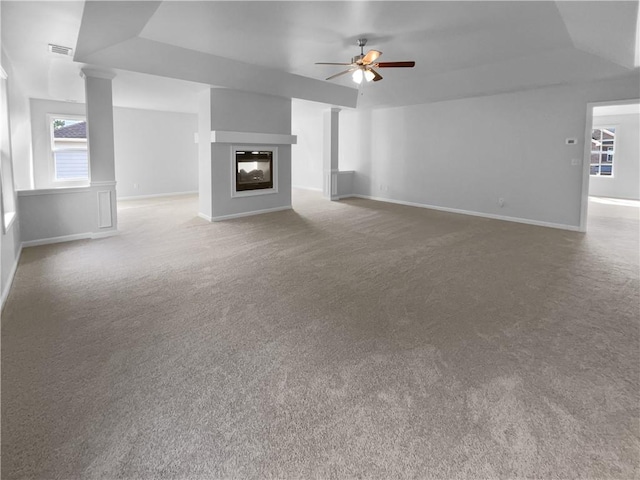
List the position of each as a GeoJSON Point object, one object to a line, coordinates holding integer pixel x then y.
{"type": "Point", "coordinates": [254, 170]}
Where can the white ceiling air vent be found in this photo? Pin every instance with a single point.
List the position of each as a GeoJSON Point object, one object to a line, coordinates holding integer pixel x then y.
{"type": "Point", "coordinates": [59, 49]}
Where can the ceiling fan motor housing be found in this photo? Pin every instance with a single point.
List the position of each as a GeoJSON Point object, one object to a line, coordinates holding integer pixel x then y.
{"type": "Point", "coordinates": [357, 59]}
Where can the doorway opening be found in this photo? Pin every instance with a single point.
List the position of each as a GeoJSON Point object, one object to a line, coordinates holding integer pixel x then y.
{"type": "Point", "coordinates": [611, 173]}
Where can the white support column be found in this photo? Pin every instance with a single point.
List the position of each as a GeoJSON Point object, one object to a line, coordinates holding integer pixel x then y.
{"type": "Point", "coordinates": [330, 153]}
{"type": "Point", "coordinates": [205, 179]}
{"type": "Point", "coordinates": [102, 170]}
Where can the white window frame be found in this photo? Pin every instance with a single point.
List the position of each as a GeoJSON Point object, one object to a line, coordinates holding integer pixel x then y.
{"type": "Point", "coordinates": [262, 191]}
{"type": "Point", "coordinates": [8, 198]}
{"type": "Point", "coordinates": [72, 181]}
{"type": "Point", "coordinates": [600, 152]}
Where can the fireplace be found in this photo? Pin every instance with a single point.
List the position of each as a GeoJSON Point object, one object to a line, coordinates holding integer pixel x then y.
{"type": "Point", "coordinates": [254, 170]}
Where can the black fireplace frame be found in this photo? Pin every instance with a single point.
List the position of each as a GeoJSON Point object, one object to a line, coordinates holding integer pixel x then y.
{"type": "Point", "coordinates": [254, 153]}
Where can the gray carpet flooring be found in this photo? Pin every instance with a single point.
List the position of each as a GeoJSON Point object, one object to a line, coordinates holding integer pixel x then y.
{"type": "Point", "coordinates": [353, 339]}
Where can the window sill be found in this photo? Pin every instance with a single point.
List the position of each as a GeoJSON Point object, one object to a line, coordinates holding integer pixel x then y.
{"type": "Point", "coordinates": [9, 218]}
{"type": "Point", "coordinates": [53, 191]}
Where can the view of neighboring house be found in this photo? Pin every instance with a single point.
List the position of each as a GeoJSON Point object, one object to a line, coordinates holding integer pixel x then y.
{"type": "Point", "coordinates": [602, 150]}
{"type": "Point", "coordinates": [69, 147]}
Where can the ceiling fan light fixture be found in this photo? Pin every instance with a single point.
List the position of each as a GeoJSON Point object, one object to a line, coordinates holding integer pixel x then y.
{"type": "Point", "coordinates": [362, 66]}
{"type": "Point", "coordinates": [368, 75]}
{"type": "Point", "coordinates": [357, 76]}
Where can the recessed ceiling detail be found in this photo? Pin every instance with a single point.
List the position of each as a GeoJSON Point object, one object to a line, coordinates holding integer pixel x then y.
{"type": "Point", "coordinates": [461, 48]}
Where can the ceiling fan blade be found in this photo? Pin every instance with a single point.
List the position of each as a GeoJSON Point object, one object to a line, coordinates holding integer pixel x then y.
{"type": "Point", "coordinates": [376, 75]}
{"type": "Point", "coordinates": [395, 64]}
{"type": "Point", "coordinates": [331, 63]}
{"type": "Point", "coordinates": [341, 73]}
{"type": "Point", "coordinates": [370, 57]}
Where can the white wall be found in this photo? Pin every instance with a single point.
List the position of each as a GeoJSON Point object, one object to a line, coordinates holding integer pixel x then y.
{"type": "Point", "coordinates": [625, 182]}
{"type": "Point", "coordinates": [466, 154]}
{"type": "Point", "coordinates": [306, 155]}
{"type": "Point", "coordinates": [156, 151]}
{"type": "Point", "coordinates": [354, 152]}
{"type": "Point", "coordinates": [20, 136]}
{"type": "Point", "coordinates": [153, 149]}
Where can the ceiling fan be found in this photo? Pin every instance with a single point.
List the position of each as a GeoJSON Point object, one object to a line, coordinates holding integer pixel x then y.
{"type": "Point", "coordinates": [363, 65]}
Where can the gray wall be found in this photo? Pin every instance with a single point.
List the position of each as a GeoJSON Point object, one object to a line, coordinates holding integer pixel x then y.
{"type": "Point", "coordinates": [236, 111]}
{"type": "Point", "coordinates": [466, 154]}
{"type": "Point", "coordinates": [625, 182]}
{"type": "Point", "coordinates": [48, 214]}
{"type": "Point", "coordinates": [153, 149]}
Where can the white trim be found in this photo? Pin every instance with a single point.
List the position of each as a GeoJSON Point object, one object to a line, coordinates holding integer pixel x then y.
{"type": "Point", "coordinates": [69, 238]}
{"type": "Point", "coordinates": [206, 217]}
{"type": "Point", "coordinates": [98, 235]}
{"type": "Point", "coordinates": [6, 226]}
{"type": "Point", "coordinates": [158, 195]}
{"type": "Point", "coordinates": [10, 278]}
{"type": "Point", "coordinates": [95, 73]}
{"type": "Point", "coordinates": [527, 221]}
{"type": "Point", "coordinates": [53, 191]}
{"type": "Point", "coordinates": [247, 214]}
{"type": "Point", "coordinates": [300, 187]}
{"type": "Point", "coordinates": [105, 218]}
{"type": "Point", "coordinates": [252, 193]}
{"type": "Point", "coordinates": [65, 190]}
{"type": "Point", "coordinates": [103, 183]}
{"type": "Point", "coordinates": [220, 136]}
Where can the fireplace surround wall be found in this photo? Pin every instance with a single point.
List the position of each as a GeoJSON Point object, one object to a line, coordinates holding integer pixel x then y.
{"type": "Point", "coordinates": [233, 120]}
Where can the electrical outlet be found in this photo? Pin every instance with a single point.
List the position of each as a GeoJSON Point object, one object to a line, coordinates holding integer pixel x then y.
{"type": "Point", "coordinates": [135, 185]}
{"type": "Point", "coordinates": [501, 202]}
{"type": "Point", "coordinates": [575, 161]}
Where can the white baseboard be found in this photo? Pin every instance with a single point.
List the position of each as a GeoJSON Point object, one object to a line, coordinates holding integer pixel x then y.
{"type": "Point", "coordinates": [105, 234]}
{"type": "Point", "coordinates": [248, 214]}
{"type": "Point", "coordinates": [69, 238]}
{"type": "Point", "coordinates": [573, 228]}
{"type": "Point", "coordinates": [206, 217]}
{"type": "Point", "coordinates": [300, 187]}
{"type": "Point", "coordinates": [158, 195]}
{"type": "Point", "coordinates": [12, 274]}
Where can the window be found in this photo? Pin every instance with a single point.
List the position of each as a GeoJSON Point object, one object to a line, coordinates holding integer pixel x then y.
{"type": "Point", "coordinates": [69, 148]}
{"type": "Point", "coordinates": [7, 197]}
{"type": "Point", "coordinates": [602, 151]}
